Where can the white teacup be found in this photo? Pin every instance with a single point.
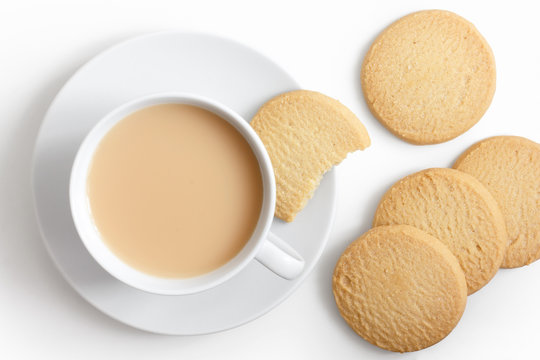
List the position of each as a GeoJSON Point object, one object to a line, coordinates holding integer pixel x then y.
{"type": "Point", "coordinates": [264, 246]}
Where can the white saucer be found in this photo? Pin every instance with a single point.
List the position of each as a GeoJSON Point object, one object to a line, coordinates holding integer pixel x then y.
{"type": "Point", "coordinates": [206, 65]}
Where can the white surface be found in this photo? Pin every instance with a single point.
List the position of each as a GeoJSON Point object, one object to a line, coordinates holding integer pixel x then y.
{"type": "Point", "coordinates": [107, 82]}
{"type": "Point", "coordinates": [322, 46]}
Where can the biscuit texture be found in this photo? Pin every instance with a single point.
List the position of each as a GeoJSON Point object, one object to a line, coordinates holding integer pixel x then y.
{"type": "Point", "coordinates": [399, 288]}
{"type": "Point", "coordinates": [458, 210]}
{"type": "Point", "coordinates": [305, 134]}
{"type": "Point", "coordinates": [509, 167]}
{"type": "Point", "coordinates": [429, 77]}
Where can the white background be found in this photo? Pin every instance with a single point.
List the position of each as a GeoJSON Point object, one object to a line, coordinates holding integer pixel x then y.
{"type": "Point", "coordinates": [321, 44]}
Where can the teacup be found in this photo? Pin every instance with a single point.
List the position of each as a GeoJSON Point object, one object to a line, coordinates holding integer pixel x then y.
{"type": "Point", "coordinates": [263, 246]}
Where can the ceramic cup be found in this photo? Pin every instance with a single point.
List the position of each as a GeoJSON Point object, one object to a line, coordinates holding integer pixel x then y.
{"type": "Point", "coordinates": [263, 246]}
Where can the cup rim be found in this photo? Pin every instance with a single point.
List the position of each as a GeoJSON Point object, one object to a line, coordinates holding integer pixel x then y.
{"type": "Point", "coordinates": [105, 257]}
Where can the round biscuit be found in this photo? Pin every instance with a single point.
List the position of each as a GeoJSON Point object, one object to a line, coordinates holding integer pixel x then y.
{"type": "Point", "coordinates": [458, 210]}
{"type": "Point", "coordinates": [509, 167]}
{"type": "Point", "coordinates": [399, 288]}
{"type": "Point", "coordinates": [305, 133]}
{"type": "Point", "coordinates": [429, 77]}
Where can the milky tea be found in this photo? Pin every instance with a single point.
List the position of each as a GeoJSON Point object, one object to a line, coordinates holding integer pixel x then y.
{"type": "Point", "coordinates": [174, 190]}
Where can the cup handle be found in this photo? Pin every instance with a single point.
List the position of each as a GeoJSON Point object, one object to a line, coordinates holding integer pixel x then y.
{"type": "Point", "coordinates": [280, 257]}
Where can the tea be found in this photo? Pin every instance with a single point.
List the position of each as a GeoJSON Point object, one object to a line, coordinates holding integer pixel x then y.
{"type": "Point", "coordinates": [175, 190]}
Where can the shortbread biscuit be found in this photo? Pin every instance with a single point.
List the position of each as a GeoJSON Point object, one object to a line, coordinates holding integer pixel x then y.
{"type": "Point", "coordinates": [399, 288]}
{"type": "Point", "coordinates": [305, 134]}
{"type": "Point", "coordinates": [429, 77]}
{"type": "Point", "coordinates": [458, 210]}
{"type": "Point", "coordinates": [509, 167]}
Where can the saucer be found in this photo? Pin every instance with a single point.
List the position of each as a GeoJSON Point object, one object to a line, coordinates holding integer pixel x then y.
{"type": "Point", "coordinates": [220, 69]}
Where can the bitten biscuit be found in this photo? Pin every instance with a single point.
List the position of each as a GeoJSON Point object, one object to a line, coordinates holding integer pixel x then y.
{"type": "Point", "coordinates": [509, 167]}
{"type": "Point", "coordinates": [399, 288]}
{"type": "Point", "coordinates": [429, 77]}
{"type": "Point", "coordinates": [458, 210]}
{"type": "Point", "coordinates": [305, 134]}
